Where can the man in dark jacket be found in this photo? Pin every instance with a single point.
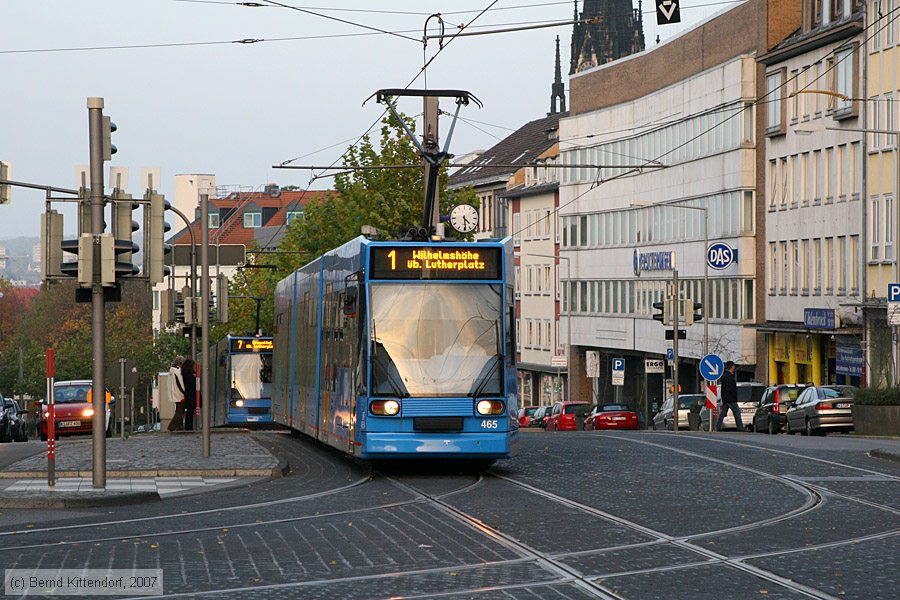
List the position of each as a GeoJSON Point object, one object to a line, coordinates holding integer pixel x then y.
{"type": "Point", "coordinates": [728, 389]}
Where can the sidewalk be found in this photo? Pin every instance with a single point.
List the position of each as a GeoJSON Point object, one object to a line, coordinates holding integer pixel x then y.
{"type": "Point", "coordinates": [139, 469]}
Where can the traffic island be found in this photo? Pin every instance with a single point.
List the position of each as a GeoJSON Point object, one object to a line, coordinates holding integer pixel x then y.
{"type": "Point", "coordinates": [138, 469]}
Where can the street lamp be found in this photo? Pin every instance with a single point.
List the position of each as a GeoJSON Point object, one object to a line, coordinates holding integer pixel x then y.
{"type": "Point", "coordinates": [818, 127]}
{"type": "Point", "coordinates": [568, 321]}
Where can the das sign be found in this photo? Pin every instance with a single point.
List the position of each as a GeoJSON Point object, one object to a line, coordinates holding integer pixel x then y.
{"type": "Point", "coordinates": [720, 256]}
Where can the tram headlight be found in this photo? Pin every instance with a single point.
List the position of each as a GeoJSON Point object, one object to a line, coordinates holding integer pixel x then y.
{"type": "Point", "coordinates": [385, 408]}
{"type": "Point", "coordinates": [489, 407]}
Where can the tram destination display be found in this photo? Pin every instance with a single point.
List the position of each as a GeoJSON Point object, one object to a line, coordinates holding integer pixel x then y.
{"type": "Point", "coordinates": [435, 262]}
{"type": "Point", "coordinates": [254, 345]}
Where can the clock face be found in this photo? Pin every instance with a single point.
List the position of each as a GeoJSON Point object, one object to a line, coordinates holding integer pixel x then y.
{"type": "Point", "coordinates": [464, 218]}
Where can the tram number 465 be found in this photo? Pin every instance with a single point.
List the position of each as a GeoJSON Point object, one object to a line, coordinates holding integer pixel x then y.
{"type": "Point", "coordinates": [490, 424]}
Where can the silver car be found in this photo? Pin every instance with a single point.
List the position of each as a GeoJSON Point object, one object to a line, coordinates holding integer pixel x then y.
{"type": "Point", "coordinates": [821, 408]}
{"type": "Point", "coordinates": [663, 419]}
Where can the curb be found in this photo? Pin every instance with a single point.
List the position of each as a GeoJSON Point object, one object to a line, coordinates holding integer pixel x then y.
{"type": "Point", "coordinates": [70, 501]}
{"type": "Point", "coordinates": [278, 471]}
{"type": "Point", "coordinates": [884, 455]}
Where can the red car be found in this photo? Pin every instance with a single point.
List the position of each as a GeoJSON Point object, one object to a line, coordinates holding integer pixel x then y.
{"type": "Point", "coordinates": [525, 414]}
{"type": "Point", "coordinates": [564, 415]}
{"type": "Point", "coordinates": [611, 416]}
{"type": "Point", "coordinates": [73, 411]}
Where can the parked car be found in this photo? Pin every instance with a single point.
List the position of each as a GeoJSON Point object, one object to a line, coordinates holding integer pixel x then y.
{"type": "Point", "coordinates": [749, 395]}
{"type": "Point", "coordinates": [611, 416]}
{"type": "Point", "coordinates": [13, 421]}
{"type": "Point", "coordinates": [775, 402]}
{"type": "Point", "coordinates": [820, 408]}
{"type": "Point", "coordinates": [73, 410]}
{"type": "Point", "coordinates": [539, 418]}
{"type": "Point", "coordinates": [567, 416]}
{"type": "Point", "coordinates": [525, 415]}
{"type": "Point", "coordinates": [663, 419]}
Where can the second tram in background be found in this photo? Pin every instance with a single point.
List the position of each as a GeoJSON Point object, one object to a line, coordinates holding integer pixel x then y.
{"type": "Point", "coordinates": [400, 350]}
{"type": "Point", "coordinates": [241, 381]}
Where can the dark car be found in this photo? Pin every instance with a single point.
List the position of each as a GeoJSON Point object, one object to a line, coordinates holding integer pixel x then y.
{"type": "Point", "coordinates": [611, 416]}
{"type": "Point", "coordinates": [567, 416]}
{"type": "Point", "coordinates": [13, 421]}
{"type": "Point", "coordinates": [539, 418]}
{"type": "Point", "coordinates": [771, 413]}
{"type": "Point", "coordinates": [822, 408]}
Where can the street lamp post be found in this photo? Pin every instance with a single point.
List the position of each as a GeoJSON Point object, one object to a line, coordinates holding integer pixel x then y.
{"type": "Point", "coordinates": [568, 322]}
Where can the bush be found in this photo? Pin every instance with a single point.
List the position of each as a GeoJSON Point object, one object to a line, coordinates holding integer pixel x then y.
{"type": "Point", "coordinates": [878, 396]}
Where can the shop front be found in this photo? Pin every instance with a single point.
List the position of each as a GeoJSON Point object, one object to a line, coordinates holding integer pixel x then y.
{"type": "Point", "coordinates": [818, 351]}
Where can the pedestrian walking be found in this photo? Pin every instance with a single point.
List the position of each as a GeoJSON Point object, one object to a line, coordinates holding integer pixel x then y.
{"type": "Point", "coordinates": [176, 394]}
{"type": "Point", "coordinates": [189, 376]}
{"type": "Point", "coordinates": [728, 386]}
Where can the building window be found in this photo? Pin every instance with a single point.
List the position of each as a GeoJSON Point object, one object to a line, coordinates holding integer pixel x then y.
{"type": "Point", "coordinates": [854, 264]}
{"type": "Point", "coordinates": [252, 219]}
{"type": "Point", "coordinates": [213, 220]}
{"type": "Point", "coordinates": [888, 227]}
{"type": "Point", "coordinates": [776, 105]}
{"type": "Point", "coordinates": [773, 267]}
{"type": "Point", "coordinates": [817, 267]}
{"type": "Point", "coordinates": [875, 229]}
{"type": "Point", "coordinates": [293, 214]}
{"type": "Point", "coordinates": [785, 270]}
{"type": "Point", "coordinates": [804, 267]}
{"type": "Point", "coordinates": [845, 81]}
{"type": "Point", "coordinates": [828, 261]}
{"type": "Point", "coordinates": [841, 265]}
{"type": "Point", "coordinates": [795, 266]}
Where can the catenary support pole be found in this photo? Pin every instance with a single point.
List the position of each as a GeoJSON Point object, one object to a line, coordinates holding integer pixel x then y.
{"type": "Point", "coordinates": [676, 301]}
{"type": "Point", "coordinates": [204, 319]}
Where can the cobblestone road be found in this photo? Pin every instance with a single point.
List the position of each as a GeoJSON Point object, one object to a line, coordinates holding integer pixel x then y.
{"type": "Point", "coordinates": [575, 515]}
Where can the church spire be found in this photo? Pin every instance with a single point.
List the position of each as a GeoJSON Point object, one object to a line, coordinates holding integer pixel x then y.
{"type": "Point", "coordinates": [557, 90]}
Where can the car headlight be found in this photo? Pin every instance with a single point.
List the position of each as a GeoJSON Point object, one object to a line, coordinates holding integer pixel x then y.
{"type": "Point", "coordinates": [387, 408]}
{"type": "Point", "coordinates": [489, 407]}
{"type": "Point", "coordinates": [46, 414]}
{"type": "Point", "coordinates": [88, 412]}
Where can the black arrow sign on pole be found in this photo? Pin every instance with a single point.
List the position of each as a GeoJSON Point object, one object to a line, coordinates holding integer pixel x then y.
{"type": "Point", "coordinates": [667, 12]}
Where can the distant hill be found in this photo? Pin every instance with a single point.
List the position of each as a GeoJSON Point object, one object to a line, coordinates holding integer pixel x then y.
{"type": "Point", "coordinates": [19, 266]}
{"type": "Point", "coordinates": [19, 246]}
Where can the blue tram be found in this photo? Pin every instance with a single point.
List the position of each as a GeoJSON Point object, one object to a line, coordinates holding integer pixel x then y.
{"type": "Point", "coordinates": [400, 350]}
{"type": "Point", "coordinates": [241, 381]}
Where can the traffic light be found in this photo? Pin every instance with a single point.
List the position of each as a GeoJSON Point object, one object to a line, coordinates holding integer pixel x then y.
{"type": "Point", "coordinates": [108, 148]}
{"type": "Point", "coordinates": [83, 268]}
{"type": "Point", "coordinates": [221, 298]}
{"type": "Point", "coordinates": [51, 245]}
{"type": "Point", "coordinates": [155, 247]}
{"type": "Point", "coordinates": [166, 307]}
{"type": "Point", "coordinates": [692, 311]}
{"type": "Point", "coordinates": [123, 228]}
{"type": "Point", "coordinates": [5, 190]}
{"type": "Point", "coordinates": [665, 314]}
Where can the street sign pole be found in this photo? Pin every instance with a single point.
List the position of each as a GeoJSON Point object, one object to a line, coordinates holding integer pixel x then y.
{"type": "Point", "coordinates": [893, 312]}
{"type": "Point", "coordinates": [51, 421]}
{"type": "Point", "coordinates": [121, 403]}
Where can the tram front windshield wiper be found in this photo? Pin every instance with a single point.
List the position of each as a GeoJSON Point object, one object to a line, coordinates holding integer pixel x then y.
{"type": "Point", "coordinates": [488, 375]}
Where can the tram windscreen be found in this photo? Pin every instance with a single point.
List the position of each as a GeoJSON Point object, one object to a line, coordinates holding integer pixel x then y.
{"type": "Point", "coordinates": [251, 376]}
{"type": "Point", "coordinates": [436, 340]}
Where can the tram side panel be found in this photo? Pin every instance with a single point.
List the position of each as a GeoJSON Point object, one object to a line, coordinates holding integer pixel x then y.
{"type": "Point", "coordinates": [339, 350]}
{"type": "Point", "coordinates": [306, 349]}
{"type": "Point", "coordinates": [281, 387]}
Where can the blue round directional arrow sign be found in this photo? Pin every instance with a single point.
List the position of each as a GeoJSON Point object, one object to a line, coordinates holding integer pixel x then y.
{"type": "Point", "coordinates": [720, 255]}
{"type": "Point", "coordinates": [711, 367]}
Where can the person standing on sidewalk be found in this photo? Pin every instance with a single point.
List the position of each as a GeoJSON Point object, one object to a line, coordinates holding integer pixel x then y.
{"type": "Point", "coordinates": [728, 386]}
{"type": "Point", "coordinates": [176, 394]}
{"type": "Point", "coordinates": [189, 376]}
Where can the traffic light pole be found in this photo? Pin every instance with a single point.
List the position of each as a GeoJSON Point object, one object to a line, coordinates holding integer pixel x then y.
{"type": "Point", "coordinates": [98, 433]}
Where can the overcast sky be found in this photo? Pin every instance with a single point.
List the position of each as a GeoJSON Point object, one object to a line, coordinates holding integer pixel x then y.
{"type": "Point", "coordinates": [234, 110]}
